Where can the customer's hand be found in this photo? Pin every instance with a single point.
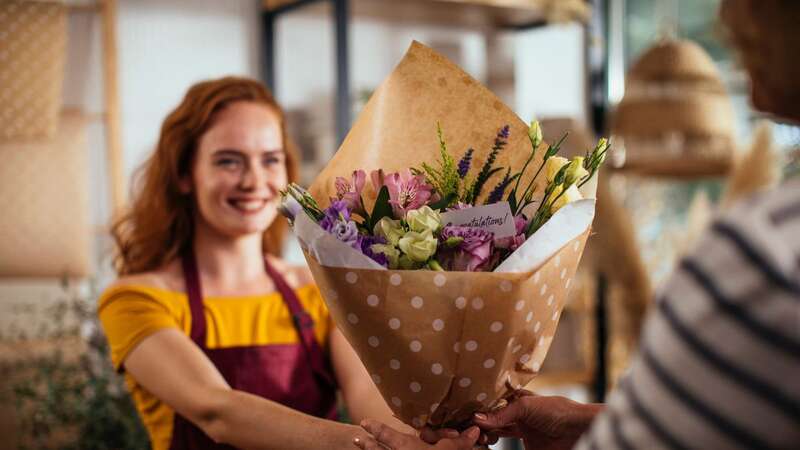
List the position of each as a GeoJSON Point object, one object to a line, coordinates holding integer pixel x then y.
{"type": "Point", "coordinates": [383, 437]}
{"type": "Point", "coordinates": [543, 423]}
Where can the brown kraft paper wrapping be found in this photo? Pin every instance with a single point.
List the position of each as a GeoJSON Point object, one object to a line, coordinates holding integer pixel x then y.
{"type": "Point", "coordinates": [441, 345]}
{"type": "Point", "coordinates": [396, 130]}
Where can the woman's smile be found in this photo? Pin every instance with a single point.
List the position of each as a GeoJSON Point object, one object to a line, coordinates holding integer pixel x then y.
{"type": "Point", "coordinates": [249, 205]}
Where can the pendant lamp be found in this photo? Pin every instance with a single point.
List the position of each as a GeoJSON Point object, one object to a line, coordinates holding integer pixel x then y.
{"type": "Point", "coordinates": [675, 118]}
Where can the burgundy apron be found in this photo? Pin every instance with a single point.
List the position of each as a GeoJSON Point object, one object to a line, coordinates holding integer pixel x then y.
{"type": "Point", "coordinates": [296, 375]}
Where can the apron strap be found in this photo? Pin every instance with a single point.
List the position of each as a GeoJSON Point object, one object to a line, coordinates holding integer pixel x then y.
{"type": "Point", "coordinates": [303, 323]}
{"type": "Point", "coordinates": [192, 280]}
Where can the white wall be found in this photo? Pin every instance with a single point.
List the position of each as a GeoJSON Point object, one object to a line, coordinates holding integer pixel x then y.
{"type": "Point", "coordinates": [550, 73]}
{"type": "Point", "coordinates": [165, 46]}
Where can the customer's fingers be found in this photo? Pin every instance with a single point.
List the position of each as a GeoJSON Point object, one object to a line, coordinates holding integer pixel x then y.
{"type": "Point", "coordinates": [500, 419]}
{"type": "Point", "coordinates": [432, 436]}
{"type": "Point", "coordinates": [465, 441]}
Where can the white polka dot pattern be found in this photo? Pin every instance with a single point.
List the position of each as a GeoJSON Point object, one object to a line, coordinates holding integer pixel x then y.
{"type": "Point", "coordinates": [419, 332]}
{"type": "Point", "coordinates": [373, 300]}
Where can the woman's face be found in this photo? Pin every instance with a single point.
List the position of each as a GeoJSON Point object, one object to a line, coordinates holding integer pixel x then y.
{"type": "Point", "coordinates": [238, 170]}
{"type": "Point", "coordinates": [765, 34]}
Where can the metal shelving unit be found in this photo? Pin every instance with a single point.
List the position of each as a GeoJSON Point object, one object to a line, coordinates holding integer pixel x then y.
{"type": "Point", "coordinates": [512, 15]}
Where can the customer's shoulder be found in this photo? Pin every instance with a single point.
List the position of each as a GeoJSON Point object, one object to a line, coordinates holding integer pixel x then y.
{"type": "Point", "coordinates": [758, 235]}
{"type": "Point", "coordinates": [776, 207]}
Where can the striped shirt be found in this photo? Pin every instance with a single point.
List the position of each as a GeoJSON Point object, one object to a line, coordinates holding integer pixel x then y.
{"type": "Point", "coordinates": [719, 362]}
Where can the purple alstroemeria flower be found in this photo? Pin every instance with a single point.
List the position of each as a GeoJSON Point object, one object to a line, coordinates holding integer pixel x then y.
{"type": "Point", "coordinates": [349, 191]}
{"type": "Point", "coordinates": [471, 254]}
{"type": "Point", "coordinates": [406, 191]}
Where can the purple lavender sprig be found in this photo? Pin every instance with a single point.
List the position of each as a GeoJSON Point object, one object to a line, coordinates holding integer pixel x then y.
{"type": "Point", "coordinates": [500, 141]}
{"type": "Point", "coordinates": [497, 193]}
{"type": "Point", "coordinates": [466, 161]}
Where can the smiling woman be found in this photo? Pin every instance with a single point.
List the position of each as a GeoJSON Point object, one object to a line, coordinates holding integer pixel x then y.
{"type": "Point", "coordinates": [221, 342]}
{"type": "Point", "coordinates": [239, 169]}
{"type": "Point", "coordinates": [159, 224]}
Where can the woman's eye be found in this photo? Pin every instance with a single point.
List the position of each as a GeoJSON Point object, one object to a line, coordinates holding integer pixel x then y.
{"type": "Point", "coordinates": [228, 163]}
{"type": "Point", "coordinates": [272, 160]}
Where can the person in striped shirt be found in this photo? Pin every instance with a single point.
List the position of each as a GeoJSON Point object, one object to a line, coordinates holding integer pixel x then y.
{"type": "Point", "coordinates": [719, 361]}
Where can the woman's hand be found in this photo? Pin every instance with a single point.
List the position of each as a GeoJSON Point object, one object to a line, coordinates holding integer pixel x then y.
{"type": "Point", "coordinates": [543, 423]}
{"type": "Point", "coordinates": [383, 437]}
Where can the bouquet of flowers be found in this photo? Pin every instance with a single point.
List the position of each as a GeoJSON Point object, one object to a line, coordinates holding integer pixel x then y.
{"type": "Point", "coordinates": [446, 267]}
{"type": "Point", "coordinates": [427, 218]}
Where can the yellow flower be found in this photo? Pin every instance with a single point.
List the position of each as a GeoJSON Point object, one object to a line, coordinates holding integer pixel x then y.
{"type": "Point", "coordinates": [418, 246]}
{"type": "Point", "coordinates": [569, 196]}
{"type": "Point", "coordinates": [423, 219]}
{"type": "Point", "coordinates": [552, 166]}
{"type": "Point", "coordinates": [575, 171]}
{"type": "Point", "coordinates": [389, 229]}
{"type": "Point", "coordinates": [535, 134]}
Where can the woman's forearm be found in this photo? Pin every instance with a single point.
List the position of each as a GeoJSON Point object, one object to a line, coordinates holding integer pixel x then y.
{"type": "Point", "coordinates": [251, 422]}
{"type": "Point", "coordinates": [365, 402]}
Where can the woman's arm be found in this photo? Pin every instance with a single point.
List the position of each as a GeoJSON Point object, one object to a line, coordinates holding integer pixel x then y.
{"type": "Point", "coordinates": [359, 391]}
{"type": "Point", "coordinates": [170, 366]}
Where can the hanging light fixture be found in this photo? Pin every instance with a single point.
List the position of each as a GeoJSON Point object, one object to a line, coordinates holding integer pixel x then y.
{"type": "Point", "coordinates": [676, 118]}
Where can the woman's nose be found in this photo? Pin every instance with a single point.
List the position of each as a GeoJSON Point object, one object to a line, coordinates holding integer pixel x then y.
{"type": "Point", "coordinates": [254, 177]}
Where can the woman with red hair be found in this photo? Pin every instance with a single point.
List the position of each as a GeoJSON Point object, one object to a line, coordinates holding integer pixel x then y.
{"type": "Point", "coordinates": [222, 343]}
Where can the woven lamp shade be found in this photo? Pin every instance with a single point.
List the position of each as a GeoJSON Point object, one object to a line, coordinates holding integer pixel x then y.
{"type": "Point", "coordinates": [676, 118]}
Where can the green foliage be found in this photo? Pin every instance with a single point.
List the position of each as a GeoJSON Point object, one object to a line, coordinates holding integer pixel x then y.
{"type": "Point", "coordinates": [520, 203]}
{"type": "Point", "coordinates": [445, 179]}
{"type": "Point", "coordinates": [68, 401]}
{"type": "Point", "coordinates": [382, 209]}
{"type": "Point", "coordinates": [444, 202]}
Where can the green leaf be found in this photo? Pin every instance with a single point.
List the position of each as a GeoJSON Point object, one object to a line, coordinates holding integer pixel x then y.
{"type": "Point", "coordinates": [382, 208]}
{"type": "Point", "coordinates": [444, 202]}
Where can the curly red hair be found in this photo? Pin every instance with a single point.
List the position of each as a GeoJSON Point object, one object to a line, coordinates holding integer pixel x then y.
{"type": "Point", "coordinates": [158, 226]}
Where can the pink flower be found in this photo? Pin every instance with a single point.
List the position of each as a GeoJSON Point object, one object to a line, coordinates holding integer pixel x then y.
{"type": "Point", "coordinates": [472, 249]}
{"type": "Point", "coordinates": [406, 191]}
{"type": "Point", "coordinates": [350, 191]}
{"type": "Point", "coordinates": [459, 206]}
{"type": "Point", "coordinates": [514, 242]}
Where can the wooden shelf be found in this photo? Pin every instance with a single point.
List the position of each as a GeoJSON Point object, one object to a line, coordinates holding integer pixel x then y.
{"type": "Point", "coordinates": [482, 14]}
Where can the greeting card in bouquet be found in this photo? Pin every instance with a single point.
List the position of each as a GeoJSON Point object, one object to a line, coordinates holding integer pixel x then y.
{"type": "Point", "coordinates": [448, 270]}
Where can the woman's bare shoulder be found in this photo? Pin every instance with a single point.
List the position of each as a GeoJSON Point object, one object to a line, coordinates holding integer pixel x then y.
{"type": "Point", "coordinates": [296, 275]}
{"type": "Point", "coordinates": [168, 277]}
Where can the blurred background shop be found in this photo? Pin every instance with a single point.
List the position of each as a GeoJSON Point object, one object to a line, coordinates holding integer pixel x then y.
{"type": "Point", "coordinates": [84, 86]}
